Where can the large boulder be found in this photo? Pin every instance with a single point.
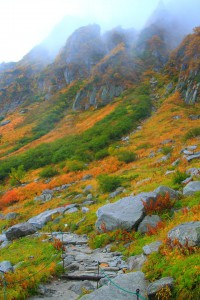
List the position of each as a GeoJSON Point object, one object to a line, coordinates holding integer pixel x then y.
{"type": "Point", "coordinates": [40, 220]}
{"type": "Point", "coordinates": [191, 188]}
{"type": "Point", "coordinates": [186, 233]}
{"type": "Point", "coordinates": [126, 213]}
{"type": "Point", "coordinates": [157, 285]}
{"type": "Point", "coordinates": [163, 190]}
{"type": "Point", "coordinates": [149, 222]}
{"type": "Point", "coordinates": [20, 230]}
{"type": "Point", "coordinates": [130, 282]}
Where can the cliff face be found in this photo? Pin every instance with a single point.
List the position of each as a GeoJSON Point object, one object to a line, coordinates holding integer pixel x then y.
{"type": "Point", "coordinates": [184, 66]}
{"type": "Point", "coordinates": [105, 65]}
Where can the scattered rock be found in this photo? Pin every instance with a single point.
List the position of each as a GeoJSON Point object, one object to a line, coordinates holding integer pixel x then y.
{"type": "Point", "coordinates": [193, 171]}
{"type": "Point", "coordinates": [88, 188]}
{"type": "Point", "coordinates": [176, 117]}
{"type": "Point", "coordinates": [194, 117]}
{"type": "Point", "coordinates": [3, 123]}
{"type": "Point", "coordinates": [71, 210]}
{"type": "Point", "coordinates": [46, 195]}
{"type": "Point", "coordinates": [6, 266]}
{"type": "Point", "coordinates": [163, 190]}
{"type": "Point", "coordinates": [130, 282]}
{"type": "Point", "coordinates": [118, 191]}
{"type": "Point", "coordinates": [187, 152]}
{"type": "Point", "coordinates": [176, 162]}
{"type": "Point", "coordinates": [11, 216]}
{"type": "Point", "coordinates": [169, 173]}
{"type": "Point", "coordinates": [187, 180]}
{"type": "Point", "coordinates": [20, 230]}
{"type": "Point", "coordinates": [136, 262]}
{"type": "Point", "coordinates": [152, 154]}
{"type": "Point", "coordinates": [165, 142]}
{"type": "Point", "coordinates": [126, 213]}
{"type": "Point", "coordinates": [191, 148]}
{"type": "Point", "coordinates": [89, 197]}
{"type": "Point", "coordinates": [194, 156]}
{"type": "Point", "coordinates": [148, 222]}
{"type": "Point", "coordinates": [87, 177]}
{"type": "Point", "coordinates": [164, 158]}
{"type": "Point", "coordinates": [88, 202]}
{"type": "Point", "coordinates": [157, 285]}
{"type": "Point", "coordinates": [78, 287]}
{"type": "Point", "coordinates": [85, 210]}
{"type": "Point", "coordinates": [186, 232]}
{"type": "Point", "coordinates": [153, 247]}
{"type": "Point", "coordinates": [191, 188]}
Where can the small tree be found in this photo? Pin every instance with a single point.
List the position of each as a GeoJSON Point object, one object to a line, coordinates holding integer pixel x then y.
{"type": "Point", "coordinates": [16, 175]}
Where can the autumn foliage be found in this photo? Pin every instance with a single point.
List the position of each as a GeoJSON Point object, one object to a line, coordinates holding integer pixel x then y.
{"type": "Point", "coordinates": [163, 202]}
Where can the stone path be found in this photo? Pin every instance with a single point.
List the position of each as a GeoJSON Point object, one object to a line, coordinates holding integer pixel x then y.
{"type": "Point", "coordinates": [80, 260]}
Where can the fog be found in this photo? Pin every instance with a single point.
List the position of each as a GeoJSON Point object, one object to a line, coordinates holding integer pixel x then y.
{"type": "Point", "coordinates": [24, 24]}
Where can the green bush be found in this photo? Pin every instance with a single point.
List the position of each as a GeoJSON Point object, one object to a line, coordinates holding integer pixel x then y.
{"type": "Point", "coordinates": [179, 177]}
{"type": "Point", "coordinates": [166, 150]}
{"type": "Point", "coordinates": [127, 156]}
{"type": "Point", "coordinates": [75, 165]}
{"type": "Point", "coordinates": [48, 172]}
{"type": "Point", "coordinates": [192, 133]}
{"type": "Point", "coordinates": [101, 154]}
{"type": "Point", "coordinates": [109, 183]}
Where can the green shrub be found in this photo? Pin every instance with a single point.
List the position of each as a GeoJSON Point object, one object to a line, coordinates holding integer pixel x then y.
{"type": "Point", "coordinates": [75, 165]}
{"type": "Point", "coordinates": [179, 177]}
{"type": "Point", "coordinates": [127, 156]}
{"type": "Point", "coordinates": [48, 172]}
{"type": "Point", "coordinates": [192, 133]}
{"type": "Point", "coordinates": [101, 154]}
{"type": "Point", "coordinates": [109, 183]}
{"type": "Point", "coordinates": [166, 150]}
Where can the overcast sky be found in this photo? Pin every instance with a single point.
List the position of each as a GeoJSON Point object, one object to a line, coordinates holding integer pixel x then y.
{"type": "Point", "coordinates": [25, 23]}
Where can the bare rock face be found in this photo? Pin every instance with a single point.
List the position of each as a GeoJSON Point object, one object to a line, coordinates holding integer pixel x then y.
{"type": "Point", "coordinates": [126, 213]}
{"type": "Point", "coordinates": [186, 233]}
{"type": "Point", "coordinates": [20, 230]}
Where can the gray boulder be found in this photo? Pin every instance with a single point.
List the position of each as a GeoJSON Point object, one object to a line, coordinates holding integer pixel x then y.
{"type": "Point", "coordinates": [157, 285]}
{"type": "Point", "coordinates": [136, 262]}
{"type": "Point", "coordinates": [163, 190]}
{"type": "Point", "coordinates": [148, 222]}
{"type": "Point", "coordinates": [71, 210]}
{"type": "Point", "coordinates": [130, 282]}
{"type": "Point", "coordinates": [191, 188]}
{"type": "Point", "coordinates": [186, 232]}
{"type": "Point", "coordinates": [118, 191]}
{"type": "Point", "coordinates": [40, 220]}
{"type": "Point", "coordinates": [153, 247]}
{"type": "Point", "coordinates": [126, 213]}
{"type": "Point", "coordinates": [6, 266]}
{"type": "Point", "coordinates": [20, 230]}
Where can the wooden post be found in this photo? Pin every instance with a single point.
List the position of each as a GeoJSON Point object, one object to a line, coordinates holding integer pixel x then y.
{"type": "Point", "coordinates": [98, 263]}
{"type": "Point", "coordinates": [138, 293]}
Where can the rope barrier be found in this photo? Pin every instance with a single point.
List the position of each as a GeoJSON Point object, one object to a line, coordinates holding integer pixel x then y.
{"type": "Point", "coordinates": [119, 287]}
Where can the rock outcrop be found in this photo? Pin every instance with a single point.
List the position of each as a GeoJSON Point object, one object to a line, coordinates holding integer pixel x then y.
{"type": "Point", "coordinates": [126, 213]}
{"type": "Point", "coordinates": [186, 233]}
{"type": "Point", "coordinates": [20, 230]}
